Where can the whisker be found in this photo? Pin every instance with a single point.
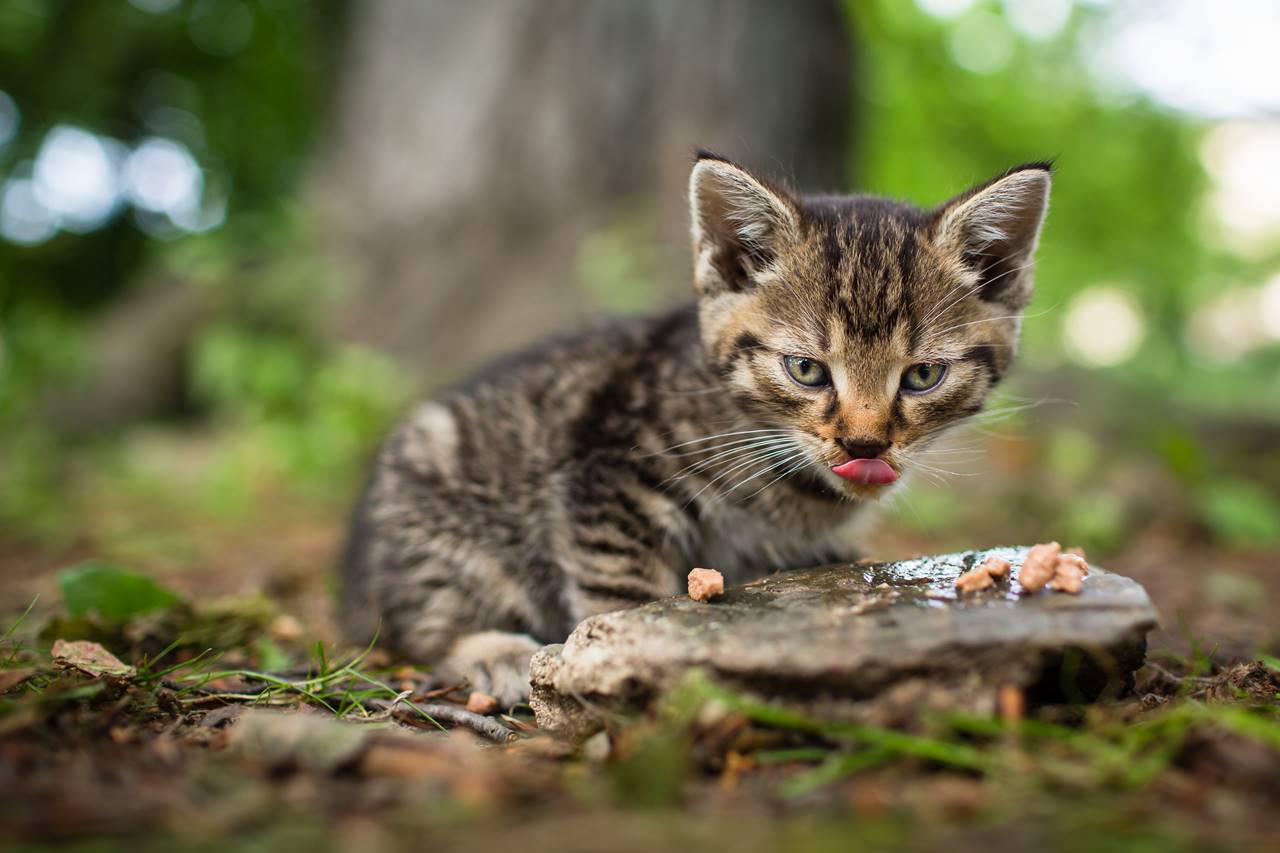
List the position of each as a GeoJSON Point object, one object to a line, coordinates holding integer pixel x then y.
{"type": "Point", "coordinates": [733, 457]}
{"type": "Point", "coordinates": [735, 443]}
{"type": "Point", "coordinates": [772, 466]}
{"type": "Point", "coordinates": [933, 469]}
{"type": "Point", "coordinates": [804, 462]}
{"type": "Point", "coordinates": [704, 438]}
{"type": "Point", "coordinates": [737, 467]}
{"type": "Point", "coordinates": [933, 315]}
{"type": "Point", "coordinates": [731, 452]}
{"type": "Point", "coordinates": [785, 460]}
{"type": "Point", "coordinates": [994, 319]}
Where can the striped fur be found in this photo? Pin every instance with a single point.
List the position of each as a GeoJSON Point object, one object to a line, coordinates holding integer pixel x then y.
{"type": "Point", "coordinates": [591, 473]}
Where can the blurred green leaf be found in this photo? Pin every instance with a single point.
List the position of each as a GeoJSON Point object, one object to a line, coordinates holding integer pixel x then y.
{"type": "Point", "coordinates": [271, 658]}
{"type": "Point", "coordinates": [1241, 513]}
{"type": "Point", "coordinates": [1072, 453]}
{"type": "Point", "coordinates": [1183, 455]}
{"type": "Point", "coordinates": [1096, 521]}
{"type": "Point", "coordinates": [115, 594]}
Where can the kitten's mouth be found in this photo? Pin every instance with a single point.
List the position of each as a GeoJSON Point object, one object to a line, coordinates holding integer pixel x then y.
{"type": "Point", "coordinates": [868, 472]}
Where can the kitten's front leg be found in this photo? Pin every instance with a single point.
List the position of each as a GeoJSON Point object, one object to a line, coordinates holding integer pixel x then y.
{"type": "Point", "coordinates": [493, 662]}
{"type": "Point", "coordinates": [497, 662]}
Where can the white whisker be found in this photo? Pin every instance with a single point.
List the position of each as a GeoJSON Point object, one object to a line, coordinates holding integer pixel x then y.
{"type": "Point", "coordinates": [992, 320]}
{"type": "Point", "coordinates": [719, 435]}
{"type": "Point", "coordinates": [731, 452]}
{"type": "Point", "coordinates": [802, 463]}
{"type": "Point", "coordinates": [737, 467]}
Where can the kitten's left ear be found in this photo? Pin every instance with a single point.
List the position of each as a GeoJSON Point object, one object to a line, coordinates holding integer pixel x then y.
{"type": "Point", "coordinates": [994, 227]}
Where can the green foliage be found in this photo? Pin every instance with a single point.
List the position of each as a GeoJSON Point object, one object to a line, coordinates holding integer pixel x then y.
{"type": "Point", "coordinates": [617, 267]}
{"type": "Point", "coordinates": [277, 407]}
{"type": "Point", "coordinates": [1241, 513]}
{"type": "Point", "coordinates": [132, 613]}
{"type": "Point", "coordinates": [890, 742]}
{"type": "Point", "coordinates": [113, 593]}
{"type": "Point", "coordinates": [1104, 753]}
{"type": "Point", "coordinates": [239, 82]}
{"type": "Point", "coordinates": [1128, 191]}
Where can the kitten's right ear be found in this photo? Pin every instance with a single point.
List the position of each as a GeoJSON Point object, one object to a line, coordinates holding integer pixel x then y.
{"type": "Point", "coordinates": [738, 224]}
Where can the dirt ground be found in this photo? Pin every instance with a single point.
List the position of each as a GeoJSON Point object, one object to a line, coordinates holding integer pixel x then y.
{"type": "Point", "coordinates": [93, 761]}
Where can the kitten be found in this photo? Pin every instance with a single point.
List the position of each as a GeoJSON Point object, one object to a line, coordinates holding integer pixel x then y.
{"type": "Point", "coordinates": [833, 339]}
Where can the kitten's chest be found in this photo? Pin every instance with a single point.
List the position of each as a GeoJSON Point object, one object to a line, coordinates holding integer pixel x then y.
{"type": "Point", "coordinates": [745, 545]}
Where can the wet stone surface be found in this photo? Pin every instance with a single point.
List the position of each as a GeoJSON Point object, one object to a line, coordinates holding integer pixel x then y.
{"type": "Point", "coordinates": [878, 642]}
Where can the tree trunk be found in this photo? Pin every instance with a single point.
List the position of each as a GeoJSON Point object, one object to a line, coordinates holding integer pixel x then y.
{"type": "Point", "coordinates": [482, 152]}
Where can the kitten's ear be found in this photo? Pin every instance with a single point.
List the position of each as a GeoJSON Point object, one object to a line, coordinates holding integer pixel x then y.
{"type": "Point", "coordinates": [994, 227]}
{"type": "Point", "coordinates": [738, 224]}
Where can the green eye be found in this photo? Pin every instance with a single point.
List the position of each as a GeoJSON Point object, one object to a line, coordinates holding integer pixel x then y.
{"type": "Point", "coordinates": [922, 377]}
{"type": "Point", "coordinates": [806, 371]}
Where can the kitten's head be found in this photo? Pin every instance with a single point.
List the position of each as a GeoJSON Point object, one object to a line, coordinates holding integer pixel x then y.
{"type": "Point", "coordinates": [862, 326]}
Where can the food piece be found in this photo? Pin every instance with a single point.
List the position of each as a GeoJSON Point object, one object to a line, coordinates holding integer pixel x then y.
{"type": "Point", "coordinates": [1048, 565]}
{"type": "Point", "coordinates": [974, 580]}
{"type": "Point", "coordinates": [1039, 566]}
{"type": "Point", "coordinates": [705, 584]}
{"type": "Point", "coordinates": [993, 568]}
{"type": "Point", "coordinates": [1067, 578]}
{"type": "Point", "coordinates": [997, 567]}
{"type": "Point", "coordinates": [1011, 703]}
{"type": "Point", "coordinates": [1070, 558]}
{"type": "Point", "coordinates": [481, 703]}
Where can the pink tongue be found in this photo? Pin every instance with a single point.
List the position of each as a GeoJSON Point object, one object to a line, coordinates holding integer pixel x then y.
{"type": "Point", "coordinates": [867, 471]}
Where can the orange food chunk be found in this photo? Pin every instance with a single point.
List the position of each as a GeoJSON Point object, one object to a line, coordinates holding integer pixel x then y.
{"type": "Point", "coordinates": [1039, 566]}
{"type": "Point", "coordinates": [705, 584]}
{"type": "Point", "coordinates": [481, 703]}
{"type": "Point", "coordinates": [1067, 578]}
{"type": "Point", "coordinates": [974, 580]}
{"type": "Point", "coordinates": [1070, 559]}
{"type": "Point", "coordinates": [997, 567]}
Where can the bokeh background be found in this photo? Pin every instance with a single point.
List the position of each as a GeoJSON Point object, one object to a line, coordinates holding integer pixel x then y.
{"type": "Point", "coordinates": [237, 237]}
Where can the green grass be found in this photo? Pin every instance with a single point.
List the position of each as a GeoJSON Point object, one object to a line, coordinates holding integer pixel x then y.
{"type": "Point", "coordinates": [1098, 775]}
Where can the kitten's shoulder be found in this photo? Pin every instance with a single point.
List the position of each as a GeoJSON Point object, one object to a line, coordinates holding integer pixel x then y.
{"type": "Point", "coordinates": [599, 344]}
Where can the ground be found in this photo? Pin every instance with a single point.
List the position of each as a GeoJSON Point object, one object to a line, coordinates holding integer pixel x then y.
{"type": "Point", "coordinates": [190, 748]}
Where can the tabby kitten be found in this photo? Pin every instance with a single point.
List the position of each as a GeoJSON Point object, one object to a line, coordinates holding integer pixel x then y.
{"type": "Point", "coordinates": [833, 339]}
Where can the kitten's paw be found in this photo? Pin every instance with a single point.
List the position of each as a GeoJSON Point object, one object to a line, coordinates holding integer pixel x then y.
{"type": "Point", "coordinates": [494, 662]}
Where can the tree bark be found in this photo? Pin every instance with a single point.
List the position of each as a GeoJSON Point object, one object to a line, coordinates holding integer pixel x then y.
{"type": "Point", "coordinates": [475, 147]}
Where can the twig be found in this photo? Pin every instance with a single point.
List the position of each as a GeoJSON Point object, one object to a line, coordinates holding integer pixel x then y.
{"type": "Point", "coordinates": [1165, 674]}
{"type": "Point", "coordinates": [490, 728]}
{"type": "Point", "coordinates": [237, 699]}
{"type": "Point", "coordinates": [384, 714]}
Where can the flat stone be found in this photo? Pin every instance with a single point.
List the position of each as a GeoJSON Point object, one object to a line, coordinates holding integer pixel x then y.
{"type": "Point", "coordinates": [873, 642]}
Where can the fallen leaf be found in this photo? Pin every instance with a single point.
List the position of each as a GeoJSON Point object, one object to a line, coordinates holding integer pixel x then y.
{"type": "Point", "coordinates": [90, 658]}
{"type": "Point", "coordinates": [299, 739]}
{"type": "Point", "coordinates": [223, 716]}
{"type": "Point", "coordinates": [11, 678]}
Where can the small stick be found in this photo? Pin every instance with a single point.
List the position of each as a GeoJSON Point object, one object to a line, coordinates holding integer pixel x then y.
{"type": "Point", "coordinates": [486, 726]}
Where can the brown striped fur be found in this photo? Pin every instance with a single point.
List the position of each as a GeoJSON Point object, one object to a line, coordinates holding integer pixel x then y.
{"type": "Point", "coordinates": [593, 472]}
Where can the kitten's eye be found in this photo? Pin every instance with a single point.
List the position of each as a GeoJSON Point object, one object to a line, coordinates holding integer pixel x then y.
{"type": "Point", "coordinates": [923, 377]}
{"type": "Point", "coordinates": [806, 371]}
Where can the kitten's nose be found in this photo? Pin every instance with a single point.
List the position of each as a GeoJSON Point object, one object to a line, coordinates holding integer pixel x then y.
{"type": "Point", "coordinates": [860, 448]}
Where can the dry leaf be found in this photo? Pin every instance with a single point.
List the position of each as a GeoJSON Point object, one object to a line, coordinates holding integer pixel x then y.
{"type": "Point", "coordinates": [11, 678]}
{"type": "Point", "coordinates": [90, 658]}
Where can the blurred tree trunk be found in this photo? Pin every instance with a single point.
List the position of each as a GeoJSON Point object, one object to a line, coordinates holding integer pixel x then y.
{"type": "Point", "coordinates": [476, 145]}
